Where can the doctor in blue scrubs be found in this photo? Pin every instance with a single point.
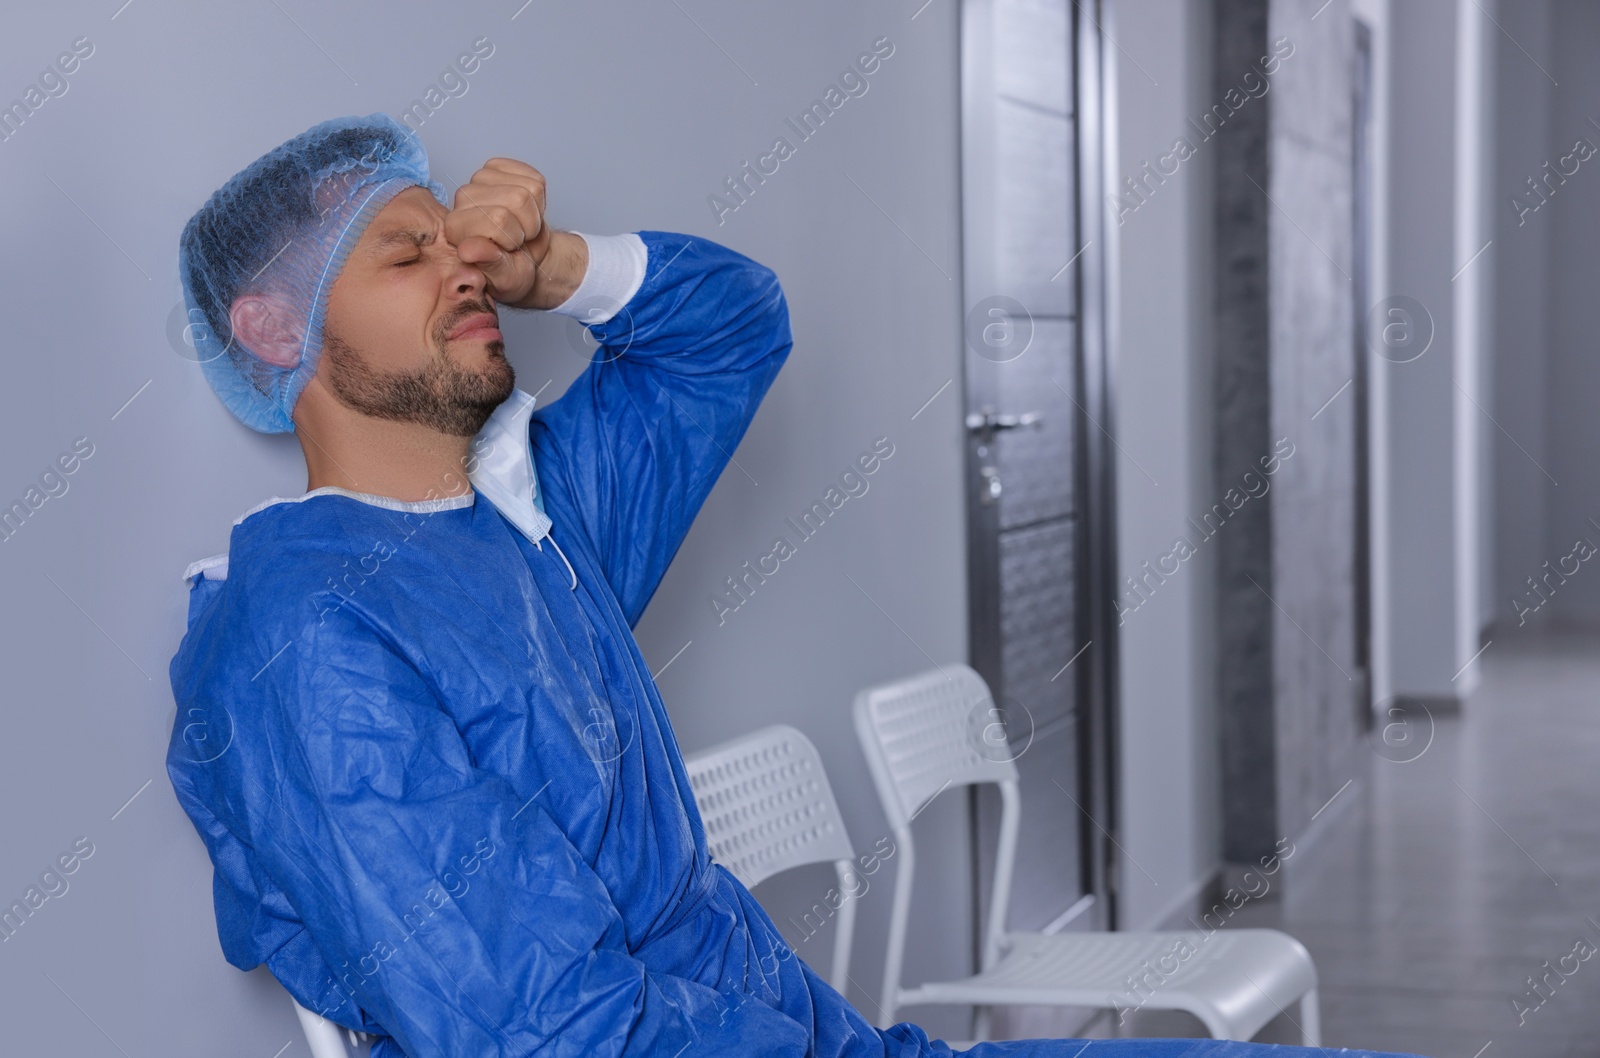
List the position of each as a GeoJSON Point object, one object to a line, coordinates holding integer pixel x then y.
{"type": "Point", "coordinates": [435, 778]}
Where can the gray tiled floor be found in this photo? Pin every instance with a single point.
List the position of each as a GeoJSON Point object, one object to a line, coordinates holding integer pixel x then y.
{"type": "Point", "coordinates": [1446, 881]}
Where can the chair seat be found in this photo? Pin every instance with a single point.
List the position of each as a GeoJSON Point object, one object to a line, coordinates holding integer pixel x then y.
{"type": "Point", "coordinates": [1234, 980]}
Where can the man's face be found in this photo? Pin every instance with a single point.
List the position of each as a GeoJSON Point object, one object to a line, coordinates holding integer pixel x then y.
{"type": "Point", "coordinates": [393, 340]}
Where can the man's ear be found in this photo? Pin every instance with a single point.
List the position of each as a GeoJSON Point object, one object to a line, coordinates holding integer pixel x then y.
{"type": "Point", "coordinates": [264, 326]}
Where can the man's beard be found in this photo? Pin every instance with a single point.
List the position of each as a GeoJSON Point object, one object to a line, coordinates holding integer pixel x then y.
{"type": "Point", "coordinates": [441, 396]}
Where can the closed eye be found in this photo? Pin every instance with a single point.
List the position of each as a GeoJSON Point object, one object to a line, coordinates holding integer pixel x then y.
{"type": "Point", "coordinates": [410, 261]}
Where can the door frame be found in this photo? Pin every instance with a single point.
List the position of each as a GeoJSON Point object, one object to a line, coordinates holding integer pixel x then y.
{"type": "Point", "coordinates": [1097, 132]}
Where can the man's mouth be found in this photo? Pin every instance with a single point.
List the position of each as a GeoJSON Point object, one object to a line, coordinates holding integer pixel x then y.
{"type": "Point", "coordinates": [480, 327]}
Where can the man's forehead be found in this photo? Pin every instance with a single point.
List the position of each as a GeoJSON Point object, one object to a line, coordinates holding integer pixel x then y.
{"type": "Point", "coordinates": [414, 201]}
{"type": "Point", "coordinates": [405, 218]}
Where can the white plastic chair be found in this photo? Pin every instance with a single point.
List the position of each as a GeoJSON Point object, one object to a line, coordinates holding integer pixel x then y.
{"type": "Point", "coordinates": [322, 1035]}
{"type": "Point", "coordinates": [917, 734]}
{"type": "Point", "coordinates": [767, 806]}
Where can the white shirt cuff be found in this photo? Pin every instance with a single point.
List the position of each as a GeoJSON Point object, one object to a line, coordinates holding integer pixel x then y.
{"type": "Point", "coordinates": [615, 273]}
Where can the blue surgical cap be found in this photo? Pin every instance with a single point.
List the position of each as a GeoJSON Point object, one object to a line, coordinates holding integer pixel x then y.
{"type": "Point", "coordinates": [283, 226]}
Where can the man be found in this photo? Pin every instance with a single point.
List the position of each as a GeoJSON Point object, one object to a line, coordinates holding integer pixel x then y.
{"type": "Point", "coordinates": [435, 778]}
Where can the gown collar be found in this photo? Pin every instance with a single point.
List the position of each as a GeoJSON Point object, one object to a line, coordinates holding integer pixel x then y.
{"type": "Point", "coordinates": [503, 474]}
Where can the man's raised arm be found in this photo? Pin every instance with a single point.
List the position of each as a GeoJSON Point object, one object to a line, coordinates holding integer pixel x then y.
{"type": "Point", "coordinates": [691, 336]}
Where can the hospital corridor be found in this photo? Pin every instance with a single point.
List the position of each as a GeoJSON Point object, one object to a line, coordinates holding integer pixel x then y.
{"type": "Point", "coordinates": [894, 529]}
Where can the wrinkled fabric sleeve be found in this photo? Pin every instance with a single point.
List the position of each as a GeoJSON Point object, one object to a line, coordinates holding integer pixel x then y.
{"type": "Point", "coordinates": [450, 906]}
{"type": "Point", "coordinates": [644, 432]}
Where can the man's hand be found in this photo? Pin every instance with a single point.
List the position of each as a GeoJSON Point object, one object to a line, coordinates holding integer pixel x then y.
{"type": "Point", "coordinates": [498, 225]}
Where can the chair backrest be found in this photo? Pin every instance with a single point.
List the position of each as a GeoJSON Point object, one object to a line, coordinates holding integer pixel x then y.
{"type": "Point", "coordinates": [922, 735]}
{"type": "Point", "coordinates": [927, 733]}
{"type": "Point", "coordinates": [766, 804]}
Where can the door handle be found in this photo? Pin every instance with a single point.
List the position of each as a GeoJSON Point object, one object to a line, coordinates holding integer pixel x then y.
{"type": "Point", "coordinates": [987, 423]}
{"type": "Point", "coordinates": [990, 422]}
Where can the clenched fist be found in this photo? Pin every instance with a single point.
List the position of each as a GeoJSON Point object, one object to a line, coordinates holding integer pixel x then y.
{"type": "Point", "coordinates": [497, 223]}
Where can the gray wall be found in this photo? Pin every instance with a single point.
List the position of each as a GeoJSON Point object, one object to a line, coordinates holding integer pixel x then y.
{"type": "Point", "coordinates": [634, 129]}
{"type": "Point", "coordinates": [1546, 482]}
{"type": "Point", "coordinates": [1522, 245]}
{"type": "Point", "coordinates": [1574, 271]}
{"type": "Point", "coordinates": [1317, 682]}
{"type": "Point", "coordinates": [1248, 271]}
{"type": "Point", "coordinates": [1286, 423]}
{"type": "Point", "coordinates": [1168, 762]}
{"type": "Point", "coordinates": [1285, 341]}
{"type": "Point", "coordinates": [1425, 536]}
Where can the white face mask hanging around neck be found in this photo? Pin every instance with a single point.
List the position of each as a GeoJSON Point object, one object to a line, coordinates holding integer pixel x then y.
{"type": "Point", "coordinates": [505, 476]}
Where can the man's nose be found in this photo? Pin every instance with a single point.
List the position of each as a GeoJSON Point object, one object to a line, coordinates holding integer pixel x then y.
{"type": "Point", "coordinates": [466, 278]}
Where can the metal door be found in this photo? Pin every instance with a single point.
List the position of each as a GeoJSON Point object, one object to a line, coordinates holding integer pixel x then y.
{"type": "Point", "coordinates": [1038, 507]}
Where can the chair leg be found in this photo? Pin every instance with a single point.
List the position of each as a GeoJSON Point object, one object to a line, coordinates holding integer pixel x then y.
{"type": "Point", "coordinates": [1310, 1020]}
{"type": "Point", "coordinates": [980, 1023]}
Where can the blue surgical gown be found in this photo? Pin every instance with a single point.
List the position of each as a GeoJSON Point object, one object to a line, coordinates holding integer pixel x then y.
{"type": "Point", "coordinates": [436, 781]}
